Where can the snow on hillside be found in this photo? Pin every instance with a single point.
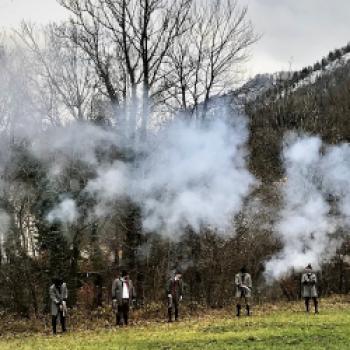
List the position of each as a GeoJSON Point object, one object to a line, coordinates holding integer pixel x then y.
{"type": "Point", "coordinates": [330, 67]}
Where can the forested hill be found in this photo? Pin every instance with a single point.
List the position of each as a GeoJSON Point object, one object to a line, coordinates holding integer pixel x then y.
{"type": "Point", "coordinates": [314, 100]}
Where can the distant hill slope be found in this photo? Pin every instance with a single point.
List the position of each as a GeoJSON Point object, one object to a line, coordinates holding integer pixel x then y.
{"type": "Point", "coordinates": [315, 100]}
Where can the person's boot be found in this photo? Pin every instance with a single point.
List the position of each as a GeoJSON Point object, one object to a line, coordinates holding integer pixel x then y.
{"type": "Point", "coordinates": [169, 315]}
{"type": "Point", "coordinates": [316, 306]}
{"type": "Point", "coordinates": [54, 326]}
{"type": "Point", "coordinates": [176, 315]}
{"type": "Point", "coordinates": [248, 310]}
{"type": "Point", "coordinates": [238, 307]}
{"type": "Point", "coordinates": [119, 320]}
{"type": "Point", "coordinates": [126, 319]}
{"type": "Point", "coordinates": [307, 305]}
{"type": "Point", "coordinates": [63, 324]}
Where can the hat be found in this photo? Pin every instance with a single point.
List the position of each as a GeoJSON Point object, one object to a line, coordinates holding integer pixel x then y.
{"type": "Point", "coordinates": [57, 280]}
{"type": "Point", "coordinates": [243, 269]}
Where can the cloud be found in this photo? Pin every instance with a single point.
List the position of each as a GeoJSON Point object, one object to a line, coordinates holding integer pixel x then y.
{"type": "Point", "coordinates": [300, 32]}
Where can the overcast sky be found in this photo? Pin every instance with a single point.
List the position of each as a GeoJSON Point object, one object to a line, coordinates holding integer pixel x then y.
{"type": "Point", "coordinates": [295, 33]}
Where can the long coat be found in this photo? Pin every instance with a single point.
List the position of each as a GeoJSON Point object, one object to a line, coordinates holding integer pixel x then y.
{"type": "Point", "coordinates": [243, 284]}
{"type": "Point", "coordinates": [117, 290]}
{"type": "Point", "coordinates": [175, 288]}
{"type": "Point", "coordinates": [308, 285]}
{"type": "Point", "coordinates": [57, 297]}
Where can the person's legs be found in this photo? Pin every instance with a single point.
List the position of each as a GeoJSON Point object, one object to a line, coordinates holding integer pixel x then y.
{"type": "Point", "coordinates": [307, 304]}
{"type": "Point", "coordinates": [176, 309]}
{"type": "Point", "coordinates": [119, 314]}
{"type": "Point", "coordinates": [247, 306]}
{"type": "Point", "coordinates": [315, 304]}
{"type": "Point", "coordinates": [63, 322]}
{"type": "Point", "coordinates": [170, 309]}
{"type": "Point", "coordinates": [54, 324]}
{"type": "Point", "coordinates": [170, 316]}
{"type": "Point", "coordinates": [238, 309]}
{"type": "Point", "coordinates": [126, 311]}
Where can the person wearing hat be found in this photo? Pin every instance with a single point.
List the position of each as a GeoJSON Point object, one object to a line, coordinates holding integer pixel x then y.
{"type": "Point", "coordinates": [123, 294]}
{"type": "Point", "coordinates": [309, 289]}
{"type": "Point", "coordinates": [243, 286]}
{"type": "Point", "coordinates": [58, 293]}
{"type": "Point", "coordinates": [174, 291]}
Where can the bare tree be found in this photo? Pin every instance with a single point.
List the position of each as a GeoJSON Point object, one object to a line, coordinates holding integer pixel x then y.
{"type": "Point", "coordinates": [18, 109]}
{"type": "Point", "coordinates": [206, 60]}
{"type": "Point", "coordinates": [62, 74]}
{"type": "Point", "coordinates": [128, 41]}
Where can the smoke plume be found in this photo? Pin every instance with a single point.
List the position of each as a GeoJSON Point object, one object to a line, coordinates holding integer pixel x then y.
{"type": "Point", "coordinates": [190, 174]}
{"type": "Point", "coordinates": [66, 211]}
{"type": "Point", "coordinates": [316, 203]}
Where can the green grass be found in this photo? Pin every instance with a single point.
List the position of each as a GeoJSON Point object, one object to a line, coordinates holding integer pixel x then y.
{"type": "Point", "coordinates": [288, 328]}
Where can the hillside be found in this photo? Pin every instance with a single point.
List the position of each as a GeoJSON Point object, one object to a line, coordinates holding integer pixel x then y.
{"type": "Point", "coordinates": [315, 100]}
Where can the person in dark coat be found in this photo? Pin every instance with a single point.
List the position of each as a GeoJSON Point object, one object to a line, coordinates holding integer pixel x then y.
{"type": "Point", "coordinates": [58, 293]}
{"type": "Point", "coordinates": [243, 286]}
{"type": "Point", "coordinates": [123, 293]}
{"type": "Point", "coordinates": [174, 291]}
{"type": "Point", "coordinates": [309, 288]}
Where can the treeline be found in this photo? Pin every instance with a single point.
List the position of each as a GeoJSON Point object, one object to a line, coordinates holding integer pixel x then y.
{"type": "Point", "coordinates": [288, 81]}
{"type": "Point", "coordinates": [121, 66]}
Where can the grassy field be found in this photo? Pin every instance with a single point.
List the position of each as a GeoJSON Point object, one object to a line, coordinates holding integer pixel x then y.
{"type": "Point", "coordinates": [282, 327]}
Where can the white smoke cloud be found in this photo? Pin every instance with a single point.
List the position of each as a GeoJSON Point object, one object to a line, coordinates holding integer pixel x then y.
{"type": "Point", "coordinates": [66, 212]}
{"type": "Point", "coordinates": [74, 141]}
{"type": "Point", "coordinates": [4, 222]}
{"type": "Point", "coordinates": [112, 182]}
{"type": "Point", "coordinates": [336, 169]}
{"type": "Point", "coordinates": [185, 174]}
{"type": "Point", "coordinates": [314, 171]}
{"type": "Point", "coordinates": [4, 226]}
{"type": "Point", "coordinates": [188, 174]}
{"type": "Point", "coordinates": [4, 217]}
{"type": "Point", "coordinates": [196, 175]}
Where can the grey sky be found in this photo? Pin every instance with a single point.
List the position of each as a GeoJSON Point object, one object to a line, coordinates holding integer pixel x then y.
{"type": "Point", "coordinates": [295, 32]}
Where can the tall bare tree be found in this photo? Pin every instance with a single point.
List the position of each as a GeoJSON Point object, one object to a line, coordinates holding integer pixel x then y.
{"type": "Point", "coordinates": [128, 42]}
{"type": "Point", "coordinates": [62, 73]}
{"type": "Point", "coordinates": [206, 60]}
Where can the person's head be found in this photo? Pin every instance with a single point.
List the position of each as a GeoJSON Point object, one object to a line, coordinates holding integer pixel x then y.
{"type": "Point", "coordinates": [308, 268]}
{"type": "Point", "coordinates": [243, 269]}
{"type": "Point", "coordinates": [57, 281]}
{"type": "Point", "coordinates": [178, 274]}
{"type": "Point", "coordinates": [125, 274]}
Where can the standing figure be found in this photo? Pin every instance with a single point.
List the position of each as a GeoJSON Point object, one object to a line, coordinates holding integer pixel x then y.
{"type": "Point", "coordinates": [243, 284]}
{"type": "Point", "coordinates": [309, 290]}
{"type": "Point", "coordinates": [122, 295]}
{"type": "Point", "coordinates": [174, 291]}
{"type": "Point", "coordinates": [58, 295]}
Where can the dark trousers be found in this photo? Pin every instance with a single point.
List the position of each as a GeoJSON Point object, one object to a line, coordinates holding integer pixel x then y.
{"type": "Point", "coordinates": [242, 300]}
{"type": "Point", "coordinates": [62, 321]}
{"type": "Point", "coordinates": [307, 304]}
{"type": "Point", "coordinates": [173, 305]}
{"type": "Point", "coordinates": [123, 312]}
